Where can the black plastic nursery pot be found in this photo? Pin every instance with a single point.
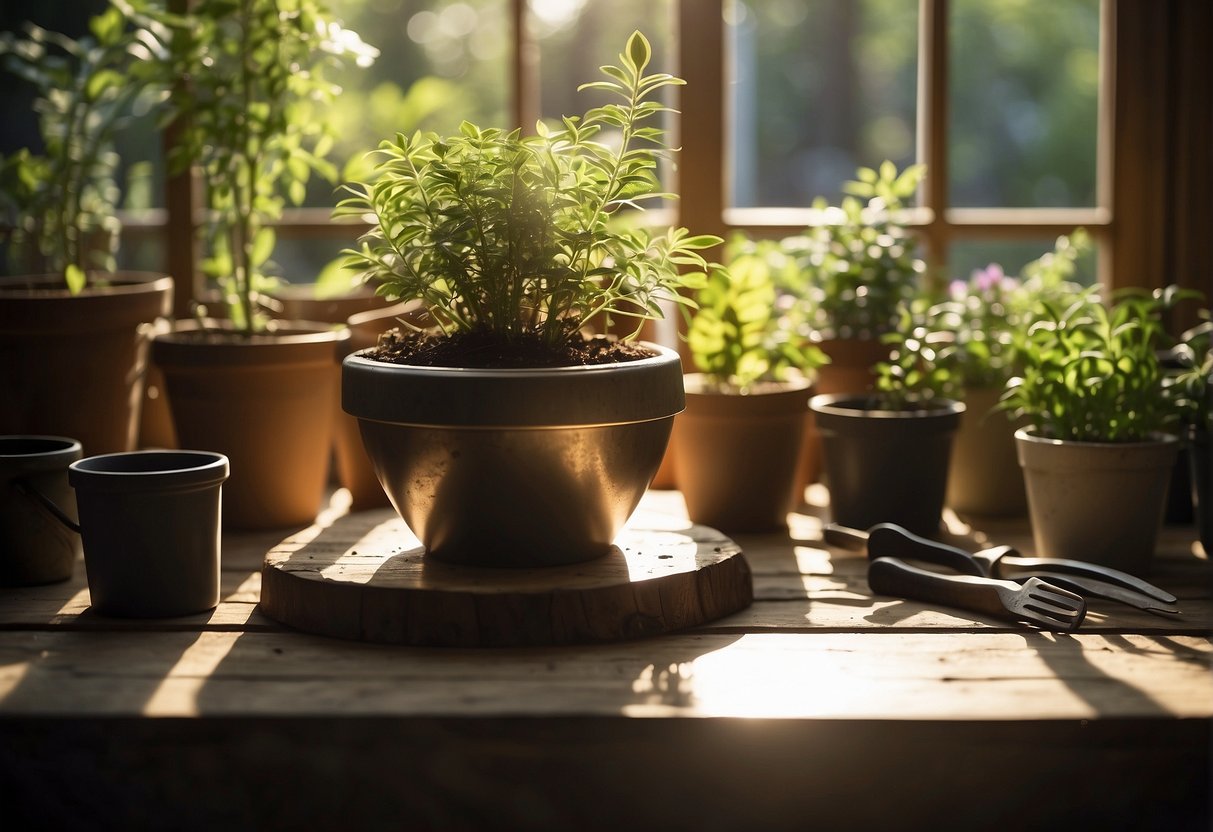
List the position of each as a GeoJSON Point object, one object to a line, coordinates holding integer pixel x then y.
{"type": "Point", "coordinates": [885, 466]}
{"type": "Point", "coordinates": [36, 547]}
{"type": "Point", "coordinates": [515, 467]}
{"type": "Point", "coordinates": [150, 525]}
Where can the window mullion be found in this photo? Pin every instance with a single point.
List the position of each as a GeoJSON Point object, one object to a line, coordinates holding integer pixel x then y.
{"type": "Point", "coordinates": [933, 125]}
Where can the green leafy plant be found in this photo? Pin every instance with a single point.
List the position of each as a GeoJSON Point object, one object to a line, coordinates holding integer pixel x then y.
{"type": "Point", "coordinates": [1092, 373]}
{"type": "Point", "coordinates": [519, 237]}
{"type": "Point", "coordinates": [58, 207]}
{"type": "Point", "coordinates": [1194, 368]}
{"type": "Point", "coordinates": [738, 337]}
{"type": "Point", "coordinates": [251, 114]}
{"type": "Point", "coordinates": [854, 271]}
{"type": "Point", "coordinates": [972, 338]}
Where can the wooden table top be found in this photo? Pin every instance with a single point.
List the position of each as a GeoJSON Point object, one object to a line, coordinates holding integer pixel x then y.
{"type": "Point", "coordinates": [822, 672]}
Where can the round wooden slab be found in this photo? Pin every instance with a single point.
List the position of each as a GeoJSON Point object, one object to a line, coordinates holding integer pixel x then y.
{"type": "Point", "coordinates": [364, 577]}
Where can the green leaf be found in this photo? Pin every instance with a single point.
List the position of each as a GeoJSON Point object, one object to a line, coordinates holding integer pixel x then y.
{"type": "Point", "coordinates": [638, 51]}
{"type": "Point", "coordinates": [75, 278]}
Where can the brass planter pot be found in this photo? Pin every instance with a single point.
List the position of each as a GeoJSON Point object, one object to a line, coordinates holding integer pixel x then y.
{"type": "Point", "coordinates": [268, 403]}
{"type": "Point", "coordinates": [74, 365]}
{"type": "Point", "coordinates": [515, 467]}
{"type": "Point", "coordinates": [735, 456]}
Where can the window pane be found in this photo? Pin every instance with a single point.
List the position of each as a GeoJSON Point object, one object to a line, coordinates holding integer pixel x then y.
{"type": "Point", "coordinates": [440, 62]}
{"type": "Point", "coordinates": [1024, 77]}
{"type": "Point", "coordinates": [967, 256]}
{"type": "Point", "coordinates": [578, 36]}
{"type": "Point", "coordinates": [818, 88]}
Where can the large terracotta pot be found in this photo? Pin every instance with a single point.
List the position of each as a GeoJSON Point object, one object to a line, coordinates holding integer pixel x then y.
{"type": "Point", "coordinates": [735, 456]}
{"type": "Point", "coordinates": [515, 467]}
{"type": "Point", "coordinates": [886, 466]}
{"type": "Point", "coordinates": [1097, 501]}
{"type": "Point", "coordinates": [264, 401]}
{"type": "Point", "coordinates": [73, 365]}
{"type": "Point", "coordinates": [985, 477]}
{"type": "Point", "coordinates": [848, 372]}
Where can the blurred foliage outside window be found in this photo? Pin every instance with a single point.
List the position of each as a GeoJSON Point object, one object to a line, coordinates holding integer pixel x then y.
{"type": "Point", "coordinates": [815, 89]}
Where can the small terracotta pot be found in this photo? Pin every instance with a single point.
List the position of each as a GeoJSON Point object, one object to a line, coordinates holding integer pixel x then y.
{"type": "Point", "coordinates": [1097, 501]}
{"type": "Point", "coordinates": [985, 477]}
{"type": "Point", "coordinates": [298, 302]}
{"type": "Point", "coordinates": [73, 365]}
{"type": "Point", "coordinates": [735, 456]}
{"type": "Point", "coordinates": [150, 524]}
{"type": "Point", "coordinates": [36, 546]}
{"type": "Point", "coordinates": [268, 403]}
{"type": "Point", "coordinates": [886, 466]}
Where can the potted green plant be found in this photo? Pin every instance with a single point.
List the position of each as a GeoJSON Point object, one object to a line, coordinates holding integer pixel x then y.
{"type": "Point", "coordinates": [737, 443]}
{"type": "Point", "coordinates": [886, 454]}
{"type": "Point", "coordinates": [1098, 453]}
{"type": "Point", "coordinates": [971, 340]}
{"type": "Point", "coordinates": [503, 436]}
{"type": "Point", "coordinates": [849, 275]}
{"type": "Point", "coordinates": [73, 330]}
{"type": "Point", "coordinates": [253, 84]}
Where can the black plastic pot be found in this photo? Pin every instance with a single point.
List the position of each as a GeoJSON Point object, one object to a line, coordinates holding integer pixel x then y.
{"type": "Point", "coordinates": [36, 547]}
{"type": "Point", "coordinates": [886, 466]}
{"type": "Point", "coordinates": [150, 524]}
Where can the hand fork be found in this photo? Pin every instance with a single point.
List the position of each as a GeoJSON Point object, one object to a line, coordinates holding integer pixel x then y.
{"type": "Point", "coordinates": [1034, 601]}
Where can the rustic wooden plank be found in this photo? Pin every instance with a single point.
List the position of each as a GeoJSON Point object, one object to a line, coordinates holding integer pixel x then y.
{"type": "Point", "coordinates": [877, 675]}
{"type": "Point", "coordinates": [364, 577]}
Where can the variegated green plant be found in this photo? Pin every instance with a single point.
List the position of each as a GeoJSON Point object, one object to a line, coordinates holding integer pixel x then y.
{"type": "Point", "coordinates": [739, 336]}
{"type": "Point", "coordinates": [520, 236]}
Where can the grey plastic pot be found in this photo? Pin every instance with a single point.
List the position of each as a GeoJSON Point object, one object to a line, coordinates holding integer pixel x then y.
{"type": "Point", "coordinates": [515, 467]}
{"type": "Point", "coordinates": [150, 525]}
{"type": "Point", "coordinates": [1097, 501]}
{"type": "Point", "coordinates": [885, 466]}
{"type": "Point", "coordinates": [36, 546]}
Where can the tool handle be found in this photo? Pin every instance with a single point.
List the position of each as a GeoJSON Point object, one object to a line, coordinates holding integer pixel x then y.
{"type": "Point", "coordinates": [889, 539]}
{"type": "Point", "coordinates": [898, 579]}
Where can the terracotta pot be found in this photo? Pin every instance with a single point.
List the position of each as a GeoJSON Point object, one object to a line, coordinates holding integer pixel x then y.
{"type": "Point", "coordinates": [520, 467]}
{"type": "Point", "coordinates": [36, 547]}
{"type": "Point", "coordinates": [73, 365]}
{"type": "Point", "coordinates": [985, 477]}
{"type": "Point", "coordinates": [886, 466]}
{"type": "Point", "coordinates": [849, 372]}
{"type": "Point", "coordinates": [1097, 501]}
{"type": "Point", "coordinates": [267, 403]}
{"type": "Point", "coordinates": [354, 468]}
{"type": "Point", "coordinates": [735, 456]}
{"type": "Point", "coordinates": [299, 303]}
{"type": "Point", "coordinates": [150, 524]}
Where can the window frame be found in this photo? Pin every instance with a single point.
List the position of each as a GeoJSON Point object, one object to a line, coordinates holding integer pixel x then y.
{"type": "Point", "coordinates": [1154, 171]}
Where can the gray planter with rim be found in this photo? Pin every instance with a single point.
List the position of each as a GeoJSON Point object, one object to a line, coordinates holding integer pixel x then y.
{"type": "Point", "coordinates": [36, 547]}
{"type": "Point", "coordinates": [515, 467]}
{"type": "Point", "coordinates": [886, 466]}
{"type": "Point", "coordinates": [1097, 501]}
{"type": "Point", "coordinates": [150, 524]}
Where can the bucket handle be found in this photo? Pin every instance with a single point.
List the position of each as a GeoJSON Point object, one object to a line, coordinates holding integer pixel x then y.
{"type": "Point", "coordinates": [23, 487]}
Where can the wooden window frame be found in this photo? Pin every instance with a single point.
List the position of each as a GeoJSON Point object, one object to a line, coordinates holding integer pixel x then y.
{"type": "Point", "coordinates": [1153, 214]}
